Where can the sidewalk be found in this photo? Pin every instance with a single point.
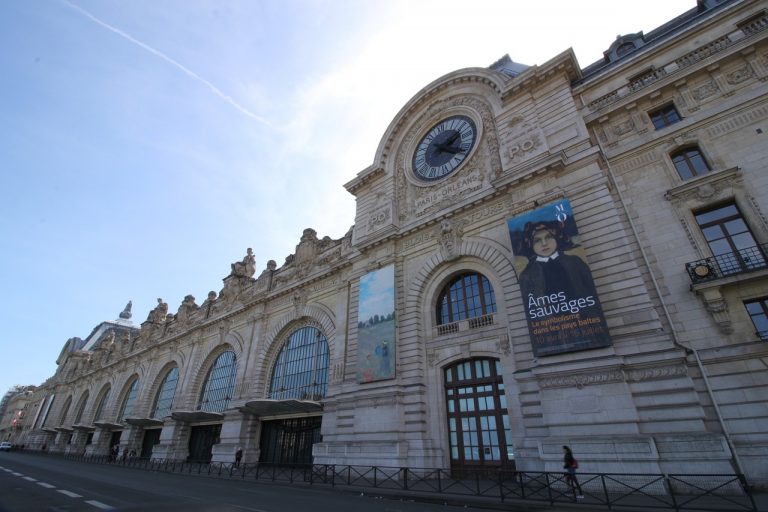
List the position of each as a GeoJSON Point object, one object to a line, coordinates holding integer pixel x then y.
{"type": "Point", "coordinates": [512, 491]}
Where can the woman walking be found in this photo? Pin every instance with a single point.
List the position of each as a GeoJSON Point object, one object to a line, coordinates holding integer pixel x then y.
{"type": "Point", "coordinates": [570, 464]}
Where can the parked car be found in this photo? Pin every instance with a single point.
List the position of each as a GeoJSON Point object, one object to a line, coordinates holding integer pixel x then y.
{"type": "Point", "coordinates": [5, 446]}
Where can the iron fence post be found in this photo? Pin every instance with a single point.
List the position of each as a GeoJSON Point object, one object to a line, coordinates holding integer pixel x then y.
{"type": "Point", "coordinates": [333, 475]}
{"type": "Point", "coordinates": [671, 487]}
{"type": "Point", "coordinates": [404, 471]}
{"type": "Point", "coordinates": [745, 486]}
{"type": "Point", "coordinates": [605, 491]}
{"type": "Point", "coordinates": [549, 488]}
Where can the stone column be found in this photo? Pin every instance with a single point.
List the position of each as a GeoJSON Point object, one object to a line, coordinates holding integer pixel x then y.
{"type": "Point", "coordinates": [77, 446]}
{"type": "Point", "coordinates": [131, 439]}
{"type": "Point", "coordinates": [100, 443]}
{"type": "Point", "coordinates": [174, 439]}
{"type": "Point", "coordinates": [239, 431]}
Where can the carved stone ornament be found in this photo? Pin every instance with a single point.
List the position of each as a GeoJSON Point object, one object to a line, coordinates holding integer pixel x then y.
{"type": "Point", "coordinates": [740, 75]}
{"type": "Point", "coordinates": [231, 290]}
{"type": "Point", "coordinates": [126, 313]}
{"type": "Point", "coordinates": [523, 140]}
{"type": "Point", "coordinates": [705, 91]}
{"type": "Point", "coordinates": [246, 267]}
{"type": "Point", "coordinates": [624, 127]}
{"type": "Point", "coordinates": [581, 380]}
{"type": "Point", "coordinates": [449, 236]}
{"type": "Point", "coordinates": [186, 310]}
{"type": "Point", "coordinates": [657, 373]}
{"type": "Point", "coordinates": [504, 346]}
{"type": "Point", "coordinates": [208, 304]}
{"type": "Point", "coordinates": [715, 184]}
{"type": "Point", "coordinates": [718, 308]}
{"type": "Point", "coordinates": [158, 315]}
{"type": "Point", "coordinates": [299, 301]}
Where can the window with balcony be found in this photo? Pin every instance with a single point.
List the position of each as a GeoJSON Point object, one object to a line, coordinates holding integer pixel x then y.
{"type": "Point", "coordinates": [758, 312]}
{"type": "Point", "coordinates": [734, 249]}
{"type": "Point", "coordinates": [469, 295]}
{"type": "Point", "coordinates": [689, 162]}
{"type": "Point", "coordinates": [664, 116]}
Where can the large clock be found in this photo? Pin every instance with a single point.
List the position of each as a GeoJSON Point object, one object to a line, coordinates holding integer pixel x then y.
{"type": "Point", "coordinates": [444, 147]}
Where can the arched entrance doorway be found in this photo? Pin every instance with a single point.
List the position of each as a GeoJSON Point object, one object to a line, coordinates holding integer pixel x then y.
{"type": "Point", "coordinates": [478, 421]}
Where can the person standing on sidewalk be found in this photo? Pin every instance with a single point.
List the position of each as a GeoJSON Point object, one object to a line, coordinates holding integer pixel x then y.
{"type": "Point", "coordinates": [570, 464]}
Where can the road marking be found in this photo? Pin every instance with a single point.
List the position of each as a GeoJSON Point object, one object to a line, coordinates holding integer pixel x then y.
{"type": "Point", "coordinates": [69, 493]}
{"type": "Point", "coordinates": [248, 508]}
{"type": "Point", "coordinates": [16, 474]}
{"type": "Point", "coordinates": [47, 486]}
{"type": "Point", "coordinates": [98, 504]}
{"type": "Point", "coordinates": [30, 479]}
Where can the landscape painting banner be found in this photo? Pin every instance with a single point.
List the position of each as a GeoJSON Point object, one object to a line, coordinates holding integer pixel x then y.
{"type": "Point", "coordinates": [561, 304]}
{"type": "Point", "coordinates": [376, 326]}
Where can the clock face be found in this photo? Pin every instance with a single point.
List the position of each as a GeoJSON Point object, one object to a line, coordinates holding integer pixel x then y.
{"type": "Point", "coordinates": [444, 148]}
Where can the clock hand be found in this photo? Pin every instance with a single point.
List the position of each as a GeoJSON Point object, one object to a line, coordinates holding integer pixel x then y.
{"type": "Point", "coordinates": [444, 148]}
{"type": "Point", "coordinates": [450, 141]}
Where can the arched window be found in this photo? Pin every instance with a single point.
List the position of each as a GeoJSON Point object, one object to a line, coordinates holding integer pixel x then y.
{"type": "Point", "coordinates": [101, 404]}
{"type": "Point", "coordinates": [80, 408]}
{"type": "Point", "coordinates": [219, 384]}
{"type": "Point", "coordinates": [625, 48]}
{"type": "Point", "coordinates": [126, 408]}
{"type": "Point", "coordinates": [65, 411]}
{"type": "Point", "coordinates": [467, 296]}
{"type": "Point", "coordinates": [301, 368]}
{"type": "Point", "coordinates": [164, 398]}
{"type": "Point", "coordinates": [478, 420]}
{"type": "Point", "coordinates": [689, 162]}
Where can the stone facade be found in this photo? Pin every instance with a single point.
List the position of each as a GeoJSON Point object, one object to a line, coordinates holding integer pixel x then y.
{"type": "Point", "coordinates": [683, 385]}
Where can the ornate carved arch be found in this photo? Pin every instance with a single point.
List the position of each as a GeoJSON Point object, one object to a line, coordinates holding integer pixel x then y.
{"type": "Point", "coordinates": [474, 255]}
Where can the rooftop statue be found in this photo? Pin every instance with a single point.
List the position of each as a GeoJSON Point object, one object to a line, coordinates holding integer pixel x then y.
{"type": "Point", "coordinates": [245, 268]}
{"type": "Point", "coordinates": [126, 314]}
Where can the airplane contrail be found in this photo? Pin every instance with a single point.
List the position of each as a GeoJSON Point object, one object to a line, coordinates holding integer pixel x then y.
{"type": "Point", "coordinates": [215, 90]}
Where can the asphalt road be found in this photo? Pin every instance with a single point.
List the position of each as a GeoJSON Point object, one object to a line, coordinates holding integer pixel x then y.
{"type": "Point", "coordinates": [38, 484]}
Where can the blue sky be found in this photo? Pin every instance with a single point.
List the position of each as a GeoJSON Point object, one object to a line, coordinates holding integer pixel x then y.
{"type": "Point", "coordinates": [146, 144]}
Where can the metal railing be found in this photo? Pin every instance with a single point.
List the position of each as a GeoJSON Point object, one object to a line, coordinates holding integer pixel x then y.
{"type": "Point", "coordinates": [708, 492]}
{"type": "Point", "coordinates": [729, 264]}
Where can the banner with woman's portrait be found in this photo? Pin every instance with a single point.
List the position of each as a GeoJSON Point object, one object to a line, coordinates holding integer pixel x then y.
{"type": "Point", "coordinates": [561, 303]}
